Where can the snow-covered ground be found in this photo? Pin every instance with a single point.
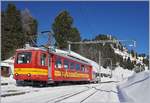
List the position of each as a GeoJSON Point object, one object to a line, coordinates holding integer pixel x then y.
{"type": "Point", "coordinates": [136, 89]}
{"type": "Point", "coordinates": [8, 87]}
{"type": "Point", "coordinates": [119, 74]}
{"type": "Point", "coordinates": [71, 93]}
{"type": "Point", "coordinates": [131, 88]}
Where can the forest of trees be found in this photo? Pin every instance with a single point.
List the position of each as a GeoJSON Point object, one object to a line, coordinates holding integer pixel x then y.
{"type": "Point", "coordinates": [19, 27]}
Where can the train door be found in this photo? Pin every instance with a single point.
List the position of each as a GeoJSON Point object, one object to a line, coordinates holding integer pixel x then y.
{"type": "Point", "coordinates": [66, 69]}
{"type": "Point", "coordinates": [58, 68]}
{"type": "Point", "coordinates": [44, 62]}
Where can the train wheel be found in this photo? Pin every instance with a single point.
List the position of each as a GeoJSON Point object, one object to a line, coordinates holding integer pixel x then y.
{"type": "Point", "coordinates": [43, 84]}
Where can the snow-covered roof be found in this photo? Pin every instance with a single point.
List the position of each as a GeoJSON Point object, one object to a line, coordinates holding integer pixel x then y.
{"type": "Point", "coordinates": [10, 60]}
{"type": "Point", "coordinates": [71, 53]}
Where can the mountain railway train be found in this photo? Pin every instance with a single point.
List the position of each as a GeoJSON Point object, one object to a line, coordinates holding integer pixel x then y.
{"type": "Point", "coordinates": [43, 66]}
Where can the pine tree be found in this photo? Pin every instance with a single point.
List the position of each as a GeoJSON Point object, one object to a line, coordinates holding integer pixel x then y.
{"type": "Point", "coordinates": [132, 53]}
{"type": "Point", "coordinates": [12, 32]}
{"type": "Point", "coordinates": [61, 28]}
{"type": "Point", "coordinates": [74, 37]}
{"type": "Point", "coordinates": [14, 35]}
{"type": "Point", "coordinates": [64, 30]}
{"type": "Point", "coordinates": [129, 64]}
{"type": "Point", "coordinates": [4, 36]}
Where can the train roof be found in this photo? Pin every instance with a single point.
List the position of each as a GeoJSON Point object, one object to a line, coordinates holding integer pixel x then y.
{"type": "Point", "coordinates": [71, 57]}
{"type": "Point", "coordinates": [80, 57]}
{"type": "Point", "coordinates": [67, 54]}
{"type": "Point", "coordinates": [62, 53]}
{"type": "Point", "coordinates": [32, 48]}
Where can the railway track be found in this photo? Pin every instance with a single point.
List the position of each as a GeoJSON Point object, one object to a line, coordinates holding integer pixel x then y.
{"type": "Point", "coordinates": [61, 99]}
{"type": "Point", "coordinates": [67, 94]}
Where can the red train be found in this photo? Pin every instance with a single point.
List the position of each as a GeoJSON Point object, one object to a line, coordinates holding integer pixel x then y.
{"type": "Point", "coordinates": [40, 66]}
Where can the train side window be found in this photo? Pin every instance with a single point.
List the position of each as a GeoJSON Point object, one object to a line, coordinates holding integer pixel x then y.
{"type": "Point", "coordinates": [58, 63]}
{"type": "Point", "coordinates": [71, 65]}
{"type": "Point", "coordinates": [77, 67]}
{"type": "Point", "coordinates": [43, 59]}
{"type": "Point", "coordinates": [82, 68]}
{"type": "Point", "coordinates": [66, 64]}
{"type": "Point", "coordinates": [86, 70]}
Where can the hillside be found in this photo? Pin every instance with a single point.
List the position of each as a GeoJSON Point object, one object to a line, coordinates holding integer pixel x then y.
{"type": "Point", "coordinates": [119, 54]}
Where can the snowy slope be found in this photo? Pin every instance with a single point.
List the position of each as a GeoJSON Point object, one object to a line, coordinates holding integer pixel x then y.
{"type": "Point", "coordinates": [136, 89]}
{"type": "Point", "coordinates": [126, 55]}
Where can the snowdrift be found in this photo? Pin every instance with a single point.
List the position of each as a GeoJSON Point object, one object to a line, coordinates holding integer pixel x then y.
{"type": "Point", "coordinates": [7, 80]}
{"type": "Point", "coordinates": [136, 89]}
{"type": "Point", "coordinates": [120, 74]}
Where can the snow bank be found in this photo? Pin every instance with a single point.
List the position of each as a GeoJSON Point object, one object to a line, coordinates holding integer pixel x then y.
{"type": "Point", "coordinates": [9, 87]}
{"type": "Point", "coordinates": [120, 74]}
{"type": "Point", "coordinates": [8, 80]}
{"type": "Point", "coordinates": [106, 71]}
{"type": "Point", "coordinates": [136, 89]}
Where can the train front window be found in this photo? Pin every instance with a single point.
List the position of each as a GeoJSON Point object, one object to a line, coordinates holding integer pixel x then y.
{"type": "Point", "coordinates": [23, 58]}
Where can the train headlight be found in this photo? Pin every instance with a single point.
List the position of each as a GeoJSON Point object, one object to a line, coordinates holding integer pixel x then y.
{"type": "Point", "coordinates": [16, 74]}
{"type": "Point", "coordinates": [28, 74]}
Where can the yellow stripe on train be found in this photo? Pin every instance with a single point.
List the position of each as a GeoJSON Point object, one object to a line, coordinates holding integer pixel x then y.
{"type": "Point", "coordinates": [34, 71]}
{"type": "Point", "coordinates": [70, 74]}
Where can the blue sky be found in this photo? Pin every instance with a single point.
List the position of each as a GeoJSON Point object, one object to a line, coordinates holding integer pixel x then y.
{"type": "Point", "coordinates": [124, 20]}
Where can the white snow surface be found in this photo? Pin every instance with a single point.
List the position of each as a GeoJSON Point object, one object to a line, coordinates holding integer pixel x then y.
{"type": "Point", "coordinates": [103, 93]}
{"type": "Point", "coordinates": [136, 89]}
{"type": "Point", "coordinates": [120, 74]}
{"type": "Point", "coordinates": [9, 80]}
{"type": "Point", "coordinates": [124, 54]}
{"type": "Point", "coordinates": [8, 86]}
